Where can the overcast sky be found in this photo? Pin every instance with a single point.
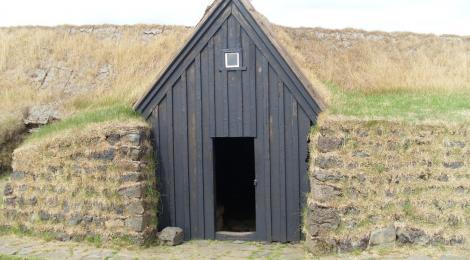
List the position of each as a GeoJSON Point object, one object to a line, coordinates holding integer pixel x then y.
{"type": "Point", "coordinates": [425, 16]}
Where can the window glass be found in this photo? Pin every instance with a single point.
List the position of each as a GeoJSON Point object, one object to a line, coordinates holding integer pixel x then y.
{"type": "Point", "coordinates": [232, 60]}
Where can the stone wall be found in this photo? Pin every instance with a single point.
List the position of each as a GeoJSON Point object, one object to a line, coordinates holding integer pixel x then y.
{"type": "Point", "coordinates": [376, 183]}
{"type": "Point", "coordinates": [96, 183]}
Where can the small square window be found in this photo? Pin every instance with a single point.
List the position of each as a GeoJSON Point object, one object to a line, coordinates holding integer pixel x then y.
{"type": "Point", "coordinates": [232, 60]}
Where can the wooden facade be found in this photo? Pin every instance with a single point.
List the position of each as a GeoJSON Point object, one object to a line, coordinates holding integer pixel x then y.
{"type": "Point", "coordinates": [197, 99]}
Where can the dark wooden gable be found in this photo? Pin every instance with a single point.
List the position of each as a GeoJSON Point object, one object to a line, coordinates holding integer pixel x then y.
{"type": "Point", "coordinates": [241, 15]}
{"type": "Point", "coordinates": [197, 99]}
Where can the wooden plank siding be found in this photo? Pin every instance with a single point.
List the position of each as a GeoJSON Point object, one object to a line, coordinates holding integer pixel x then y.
{"type": "Point", "coordinates": [202, 100]}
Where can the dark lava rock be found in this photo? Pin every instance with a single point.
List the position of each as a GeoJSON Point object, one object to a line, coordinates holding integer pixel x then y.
{"type": "Point", "coordinates": [453, 165]}
{"type": "Point", "coordinates": [328, 161]}
{"type": "Point", "coordinates": [329, 144]}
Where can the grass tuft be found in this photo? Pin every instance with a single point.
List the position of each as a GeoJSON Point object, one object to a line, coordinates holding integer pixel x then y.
{"type": "Point", "coordinates": [82, 119]}
{"type": "Point", "coordinates": [94, 240]}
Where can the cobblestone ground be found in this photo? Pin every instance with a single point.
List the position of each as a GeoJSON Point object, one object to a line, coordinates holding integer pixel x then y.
{"type": "Point", "coordinates": [26, 247]}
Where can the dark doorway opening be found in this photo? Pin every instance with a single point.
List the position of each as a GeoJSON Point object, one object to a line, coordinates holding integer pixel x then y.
{"type": "Point", "coordinates": [235, 184]}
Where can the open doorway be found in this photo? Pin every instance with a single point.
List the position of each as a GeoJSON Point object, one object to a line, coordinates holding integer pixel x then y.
{"type": "Point", "coordinates": [235, 184]}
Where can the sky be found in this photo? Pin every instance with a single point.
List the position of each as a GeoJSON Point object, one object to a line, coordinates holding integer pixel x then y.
{"type": "Point", "coordinates": [422, 16]}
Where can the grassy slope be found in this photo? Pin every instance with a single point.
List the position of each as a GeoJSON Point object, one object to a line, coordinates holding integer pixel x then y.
{"type": "Point", "coordinates": [377, 61]}
{"type": "Point", "coordinates": [134, 63]}
{"type": "Point", "coordinates": [414, 106]}
{"type": "Point", "coordinates": [78, 121]}
{"type": "Point", "coordinates": [377, 75]}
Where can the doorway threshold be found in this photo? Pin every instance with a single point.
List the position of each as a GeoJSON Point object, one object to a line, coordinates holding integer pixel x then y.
{"type": "Point", "coordinates": [242, 236]}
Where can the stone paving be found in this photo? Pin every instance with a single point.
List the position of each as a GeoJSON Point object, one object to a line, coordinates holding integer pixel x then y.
{"type": "Point", "coordinates": [27, 247]}
{"type": "Point", "coordinates": [31, 247]}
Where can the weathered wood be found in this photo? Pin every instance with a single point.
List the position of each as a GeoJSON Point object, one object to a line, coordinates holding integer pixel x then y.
{"type": "Point", "coordinates": [183, 98]}
{"type": "Point", "coordinates": [160, 133]}
{"type": "Point", "coordinates": [262, 189]}
{"type": "Point", "coordinates": [199, 149]}
{"type": "Point", "coordinates": [292, 166]}
{"type": "Point", "coordinates": [170, 163]}
{"type": "Point", "coordinates": [207, 29]}
{"type": "Point", "coordinates": [249, 86]}
{"type": "Point", "coordinates": [275, 155]}
{"type": "Point", "coordinates": [221, 93]}
{"type": "Point", "coordinates": [194, 194]}
{"type": "Point", "coordinates": [262, 68]}
{"type": "Point", "coordinates": [235, 91]}
{"type": "Point", "coordinates": [200, 99]}
{"type": "Point", "coordinates": [239, 236]}
{"type": "Point", "coordinates": [181, 157]}
{"type": "Point", "coordinates": [277, 62]}
{"type": "Point", "coordinates": [208, 117]}
{"type": "Point", "coordinates": [282, 162]}
{"type": "Point", "coordinates": [210, 84]}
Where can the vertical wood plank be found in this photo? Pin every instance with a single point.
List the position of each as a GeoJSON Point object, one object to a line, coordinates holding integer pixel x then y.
{"type": "Point", "coordinates": [185, 153]}
{"type": "Point", "coordinates": [221, 93]}
{"type": "Point", "coordinates": [193, 174]}
{"type": "Point", "coordinates": [266, 137]}
{"type": "Point", "coordinates": [260, 153]}
{"type": "Point", "coordinates": [199, 148]}
{"type": "Point", "coordinates": [292, 165]}
{"type": "Point", "coordinates": [160, 136]}
{"type": "Point", "coordinates": [211, 71]}
{"type": "Point", "coordinates": [194, 46]}
{"type": "Point", "coordinates": [171, 170]}
{"type": "Point", "coordinates": [275, 157]}
{"type": "Point", "coordinates": [235, 91]}
{"type": "Point", "coordinates": [282, 162]}
{"type": "Point", "coordinates": [181, 157]}
{"type": "Point", "coordinates": [207, 99]}
{"type": "Point", "coordinates": [249, 86]}
{"type": "Point", "coordinates": [274, 58]}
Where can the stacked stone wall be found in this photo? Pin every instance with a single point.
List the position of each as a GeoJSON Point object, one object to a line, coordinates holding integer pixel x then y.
{"type": "Point", "coordinates": [377, 182]}
{"type": "Point", "coordinates": [97, 182]}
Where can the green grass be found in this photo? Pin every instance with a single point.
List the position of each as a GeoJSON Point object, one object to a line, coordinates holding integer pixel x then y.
{"type": "Point", "coordinates": [16, 230]}
{"type": "Point", "coordinates": [408, 208]}
{"type": "Point", "coordinates": [22, 231]}
{"type": "Point", "coordinates": [4, 176]}
{"type": "Point", "coordinates": [82, 119]}
{"type": "Point", "coordinates": [414, 106]}
{"type": "Point", "coordinates": [94, 240]}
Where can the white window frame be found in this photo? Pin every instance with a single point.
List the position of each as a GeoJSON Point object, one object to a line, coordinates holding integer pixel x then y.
{"type": "Point", "coordinates": [226, 60]}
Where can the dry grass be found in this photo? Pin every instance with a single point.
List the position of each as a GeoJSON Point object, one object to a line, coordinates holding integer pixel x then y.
{"type": "Point", "coordinates": [377, 62]}
{"type": "Point", "coordinates": [133, 61]}
{"type": "Point", "coordinates": [351, 59]}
